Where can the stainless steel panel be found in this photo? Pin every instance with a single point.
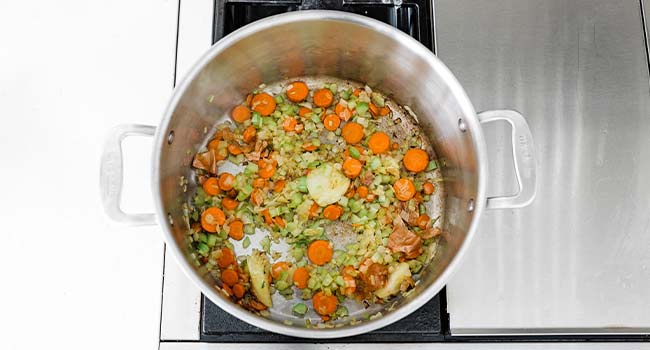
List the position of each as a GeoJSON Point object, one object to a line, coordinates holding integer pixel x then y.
{"type": "Point", "coordinates": [578, 258]}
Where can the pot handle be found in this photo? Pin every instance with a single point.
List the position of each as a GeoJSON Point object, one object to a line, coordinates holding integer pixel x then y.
{"type": "Point", "coordinates": [523, 152]}
{"type": "Point", "coordinates": [111, 174]}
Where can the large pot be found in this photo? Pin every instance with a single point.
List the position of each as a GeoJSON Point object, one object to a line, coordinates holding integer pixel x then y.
{"type": "Point", "coordinates": [341, 45]}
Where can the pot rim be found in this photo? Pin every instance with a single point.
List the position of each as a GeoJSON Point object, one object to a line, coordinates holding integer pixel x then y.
{"type": "Point", "coordinates": [417, 49]}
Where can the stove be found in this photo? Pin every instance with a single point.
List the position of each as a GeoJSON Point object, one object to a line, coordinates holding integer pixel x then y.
{"type": "Point", "coordinates": [189, 320]}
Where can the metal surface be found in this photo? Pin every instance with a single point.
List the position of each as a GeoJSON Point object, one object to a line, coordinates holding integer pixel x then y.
{"type": "Point", "coordinates": [578, 258]}
{"type": "Point", "coordinates": [111, 174]}
{"type": "Point", "coordinates": [248, 57]}
{"type": "Point", "coordinates": [431, 346]}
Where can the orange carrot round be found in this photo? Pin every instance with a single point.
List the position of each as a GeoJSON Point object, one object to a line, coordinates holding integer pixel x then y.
{"type": "Point", "coordinates": [211, 218]}
{"type": "Point", "coordinates": [249, 99]}
{"type": "Point", "coordinates": [404, 189]}
{"type": "Point", "coordinates": [240, 114]}
{"type": "Point", "coordinates": [289, 124]}
{"type": "Point", "coordinates": [320, 252]}
{"type": "Point", "coordinates": [416, 160]}
{"type": "Point", "coordinates": [357, 92]}
{"type": "Point", "coordinates": [331, 122]}
{"type": "Point", "coordinates": [229, 277]}
{"type": "Point", "coordinates": [229, 203]}
{"type": "Point", "coordinates": [428, 188]}
{"type": "Point", "coordinates": [267, 216]}
{"type": "Point", "coordinates": [278, 267]}
{"type": "Point", "coordinates": [325, 305]}
{"type": "Point", "coordinates": [226, 181]}
{"type": "Point", "coordinates": [278, 186]}
{"type": "Point", "coordinates": [303, 111]}
{"type": "Point", "coordinates": [323, 98]}
{"type": "Point", "coordinates": [266, 168]}
{"type": "Point", "coordinates": [423, 221]}
{"type": "Point", "coordinates": [313, 210]}
{"type": "Point", "coordinates": [374, 110]}
{"type": "Point", "coordinates": [226, 258]}
{"type": "Point", "coordinates": [249, 134]}
{"type": "Point", "coordinates": [297, 91]}
{"type": "Point", "coordinates": [352, 132]}
{"type": "Point", "coordinates": [362, 191]}
{"type": "Point", "coordinates": [238, 290]}
{"type": "Point", "coordinates": [234, 149]}
{"type": "Point", "coordinates": [257, 197]}
{"type": "Point", "coordinates": [259, 183]}
{"type": "Point", "coordinates": [279, 221]}
{"type": "Point", "coordinates": [236, 230]}
{"type": "Point", "coordinates": [352, 167]}
{"type": "Point", "coordinates": [263, 104]}
{"type": "Point", "coordinates": [384, 111]}
{"type": "Point", "coordinates": [211, 186]}
{"type": "Point", "coordinates": [343, 111]}
{"type": "Point", "coordinates": [301, 277]}
{"type": "Point", "coordinates": [379, 142]}
{"type": "Point", "coordinates": [332, 212]}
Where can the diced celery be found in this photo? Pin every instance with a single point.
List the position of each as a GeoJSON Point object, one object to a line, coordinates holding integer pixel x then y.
{"type": "Point", "coordinates": [375, 163]}
{"type": "Point", "coordinates": [251, 169]}
{"type": "Point", "coordinates": [274, 211]}
{"type": "Point", "coordinates": [315, 118]}
{"type": "Point", "coordinates": [278, 99]}
{"type": "Point", "coordinates": [354, 152]}
{"type": "Point", "coordinates": [281, 284]}
{"type": "Point", "coordinates": [339, 280]}
{"type": "Point", "coordinates": [265, 243]}
{"type": "Point", "coordinates": [295, 200]}
{"type": "Point", "coordinates": [256, 120]}
{"type": "Point", "coordinates": [317, 110]}
{"type": "Point", "coordinates": [433, 165]}
{"type": "Point", "coordinates": [300, 309]}
{"type": "Point", "coordinates": [247, 242]}
{"type": "Point", "coordinates": [334, 88]}
{"type": "Point", "coordinates": [327, 280]}
{"type": "Point", "coordinates": [345, 94]}
{"type": "Point", "coordinates": [377, 99]}
{"type": "Point", "coordinates": [302, 184]}
{"type": "Point", "coordinates": [212, 240]}
{"type": "Point", "coordinates": [362, 108]}
{"type": "Point", "coordinates": [244, 192]}
{"type": "Point", "coordinates": [203, 249]}
{"type": "Point", "coordinates": [342, 311]}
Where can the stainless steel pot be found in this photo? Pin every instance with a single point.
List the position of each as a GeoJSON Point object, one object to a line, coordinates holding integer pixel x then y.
{"type": "Point", "coordinates": [341, 45]}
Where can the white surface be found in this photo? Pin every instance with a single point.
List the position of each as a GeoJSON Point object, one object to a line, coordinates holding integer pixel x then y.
{"type": "Point", "coordinates": [71, 70]}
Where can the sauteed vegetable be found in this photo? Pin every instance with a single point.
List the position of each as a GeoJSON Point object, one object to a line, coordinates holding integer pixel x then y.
{"type": "Point", "coordinates": [322, 170]}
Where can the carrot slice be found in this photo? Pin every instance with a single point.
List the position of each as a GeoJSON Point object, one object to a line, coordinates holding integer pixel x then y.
{"type": "Point", "coordinates": [263, 104]}
{"type": "Point", "coordinates": [362, 191]}
{"type": "Point", "coordinates": [323, 98]}
{"type": "Point", "coordinates": [332, 212]}
{"type": "Point", "coordinates": [374, 110]}
{"type": "Point", "coordinates": [278, 267]}
{"type": "Point", "coordinates": [331, 122]}
{"type": "Point", "coordinates": [257, 197]}
{"type": "Point", "coordinates": [236, 230]}
{"type": "Point", "coordinates": [238, 290]}
{"type": "Point", "coordinates": [416, 160]}
{"type": "Point", "coordinates": [423, 221]}
{"type": "Point", "coordinates": [350, 192]}
{"type": "Point", "coordinates": [266, 168]}
{"type": "Point", "coordinates": [240, 114]}
{"type": "Point", "coordinates": [289, 124]}
{"type": "Point", "coordinates": [343, 111]}
{"type": "Point", "coordinates": [313, 210]}
{"type": "Point", "coordinates": [226, 181]}
{"type": "Point", "coordinates": [229, 203]}
{"type": "Point", "coordinates": [303, 111]}
{"type": "Point", "coordinates": [404, 189]}
{"type": "Point", "coordinates": [324, 305]}
{"type": "Point", "coordinates": [352, 168]}
{"type": "Point", "coordinates": [257, 305]}
{"type": "Point", "coordinates": [259, 182]}
{"type": "Point", "coordinates": [379, 142]}
{"type": "Point", "coordinates": [278, 186]}
{"type": "Point", "coordinates": [384, 111]}
{"type": "Point", "coordinates": [234, 149]}
{"type": "Point", "coordinates": [320, 252]}
{"type": "Point", "coordinates": [249, 99]}
{"type": "Point", "coordinates": [226, 258]}
{"type": "Point", "coordinates": [309, 147]}
{"type": "Point", "coordinates": [297, 91]}
{"type": "Point", "coordinates": [267, 217]}
{"type": "Point", "coordinates": [249, 134]}
{"type": "Point", "coordinates": [301, 277]}
{"type": "Point", "coordinates": [211, 218]}
{"type": "Point", "coordinates": [428, 188]}
{"type": "Point", "coordinates": [357, 92]}
{"type": "Point", "coordinates": [211, 186]}
{"type": "Point", "coordinates": [229, 277]}
{"type": "Point", "coordinates": [352, 132]}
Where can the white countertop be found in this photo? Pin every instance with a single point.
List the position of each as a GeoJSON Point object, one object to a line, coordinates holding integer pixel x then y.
{"type": "Point", "coordinates": [71, 70]}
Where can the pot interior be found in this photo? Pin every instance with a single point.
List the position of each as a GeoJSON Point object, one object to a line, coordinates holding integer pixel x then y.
{"type": "Point", "coordinates": [350, 47]}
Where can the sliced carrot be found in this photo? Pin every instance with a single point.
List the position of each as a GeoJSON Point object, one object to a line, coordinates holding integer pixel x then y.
{"type": "Point", "coordinates": [303, 111]}
{"type": "Point", "coordinates": [416, 160]}
{"type": "Point", "coordinates": [313, 210]}
{"type": "Point", "coordinates": [324, 304]}
{"type": "Point", "coordinates": [226, 258]}
{"type": "Point", "coordinates": [362, 191]}
{"type": "Point", "coordinates": [350, 193]}
{"type": "Point", "coordinates": [297, 91]}
{"type": "Point", "coordinates": [348, 271]}
{"type": "Point", "coordinates": [320, 252]}
{"type": "Point", "coordinates": [227, 289]}
{"type": "Point", "coordinates": [278, 186]}
{"type": "Point", "coordinates": [249, 99]}
{"type": "Point", "coordinates": [323, 98]}
{"type": "Point", "coordinates": [229, 203]}
{"type": "Point", "coordinates": [278, 267]}
{"type": "Point", "coordinates": [379, 142]}
{"type": "Point", "coordinates": [357, 92]}
{"type": "Point", "coordinates": [257, 197]}
{"type": "Point", "coordinates": [240, 114]}
{"type": "Point", "coordinates": [266, 168]}
{"type": "Point", "coordinates": [332, 212]}
{"type": "Point", "coordinates": [343, 111]}
{"type": "Point", "coordinates": [226, 181]}
{"type": "Point", "coordinates": [279, 221]}
{"type": "Point", "coordinates": [234, 149]}
{"type": "Point", "coordinates": [352, 167]}
{"type": "Point", "coordinates": [238, 290]}
{"type": "Point", "coordinates": [423, 221]}
{"type": "Point", "coordinates": [259, 183]}
{"type": "Point", "coordinates": [350, 285]}
{"type": "Point", "coordinates": [289, 124]}
{"type": "Point", "coordinates": [263, 104]}
{"type": "Point", "coordinates": [404, 189]}
{"type": "Point", "coordinates": [267, 217]}
{"type": "Point", "coordinates": [236, 230]}
{"type": "Point", "coordinates": [384, 111]}
{"type": "Point", "coordinates": [352, 132]}
{"type": "Point", "coordinates": [428, 188]}
{"type": "Point", "coordinates": [418, 197]}
{"type": "Point", "coordinates": [370, 197]}
{"type": "Point", "coordinates": [229, 277]}
{"type": "Point", "coordinates": [249, 134]}
{"type": "Point", "coordinates": [211, 186]}
{"type": "Point", "coordinates": [331, 122]}
{"type": "Point", "coordinates": [301, 277]}
{"type": "Point", "coordinates": [309, 147]}
{"type": "Point", "coordinates": [394, 146]}
{"type": "Point", "coordinates": [299, 128]}
{"type": "Point", "coordinates": [211, 218]}
{"type": "Point", "coordinates": [374, 110]}
{"type": "Point", "coordinates": [257, 305]}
